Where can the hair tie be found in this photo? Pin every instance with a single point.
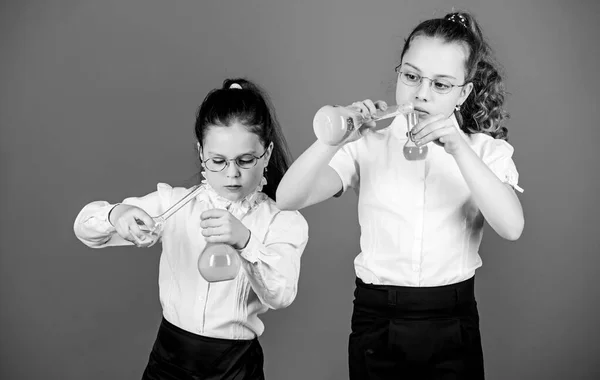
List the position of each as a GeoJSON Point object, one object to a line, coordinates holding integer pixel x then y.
{"type": "Point", "coordinates": [236, 86]}
{"type": "Point", "coordinates": [457, 18]}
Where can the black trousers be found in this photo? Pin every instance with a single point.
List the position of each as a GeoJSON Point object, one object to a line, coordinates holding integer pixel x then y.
{"type": "Point", "coordinates": [180, 355]}
{"type": "Point", "coordinates": [406, 333]}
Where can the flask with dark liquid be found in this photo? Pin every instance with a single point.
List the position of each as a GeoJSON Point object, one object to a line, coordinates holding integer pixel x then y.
{"type": "Point", "coordinates": [413, 152]}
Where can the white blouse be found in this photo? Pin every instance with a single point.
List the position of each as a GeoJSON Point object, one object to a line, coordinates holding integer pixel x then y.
{"type": "Point", "coordinates": [229, 309]}
{"type": "Point", "coordinates": [419, 224]}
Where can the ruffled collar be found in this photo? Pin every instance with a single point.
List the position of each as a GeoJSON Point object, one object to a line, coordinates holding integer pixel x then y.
{"type": "Point", "coordinates": [236, 208]}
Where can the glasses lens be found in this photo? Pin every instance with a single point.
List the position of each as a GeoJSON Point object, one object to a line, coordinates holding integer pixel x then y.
{"type": "Point", "coordinates": [442, 86]}
{"type": "Point", "coordinates": [410, 79]}
{"type": "Point", "coordinates": [246, 161]}
{"type": "Point", "coordinates": [215, 165]}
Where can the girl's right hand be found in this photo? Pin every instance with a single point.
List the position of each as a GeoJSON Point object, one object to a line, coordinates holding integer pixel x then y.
{"type": "Point", "coordinates": [367, 109]}
{"type": "Point", "coordinates": [126, 219]}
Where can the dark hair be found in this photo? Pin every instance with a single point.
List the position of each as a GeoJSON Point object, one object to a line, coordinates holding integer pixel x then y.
{"type": "Point", "coordinates": [251, 107]}
{"type": "Point", "coordinates": [484, 108]}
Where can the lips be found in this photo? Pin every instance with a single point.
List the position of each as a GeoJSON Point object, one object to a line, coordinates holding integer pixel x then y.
{"type": "Point", "coordinates": [233, 188]}
{"type": "Point", "coordinates": [421, 111]}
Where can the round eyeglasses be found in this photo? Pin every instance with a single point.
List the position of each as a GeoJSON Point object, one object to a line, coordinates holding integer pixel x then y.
{"type": "Point", "coordinates": [245, 161]}
{"type": "Point", "coordinates": [412, 79]}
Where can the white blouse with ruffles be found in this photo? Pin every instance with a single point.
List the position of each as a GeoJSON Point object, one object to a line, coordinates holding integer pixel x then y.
{"type": "Point", "coordinates": [229, 309]}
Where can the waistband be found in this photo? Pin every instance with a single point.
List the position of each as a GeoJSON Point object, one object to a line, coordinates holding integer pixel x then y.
{"type": "Point", "coordinates": [414, 299]}
{"type": "Point", "coordinates": [197, 352]}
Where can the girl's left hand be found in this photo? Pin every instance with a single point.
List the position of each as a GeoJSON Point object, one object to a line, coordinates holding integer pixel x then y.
{"type": "Point", "coordinates": [219, 226]}
{"type": "Point", "coordinates": [442, 131]}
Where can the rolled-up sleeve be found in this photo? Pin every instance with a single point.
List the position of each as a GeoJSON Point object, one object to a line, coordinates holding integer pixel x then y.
{"type": "Point", "coordinates": [345, 163]}
{"type": "Point", "coordinates": [497, 155]}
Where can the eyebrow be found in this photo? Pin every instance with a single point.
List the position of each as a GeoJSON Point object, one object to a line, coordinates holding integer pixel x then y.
{"type": "Point", "coordinates": [436, 76]}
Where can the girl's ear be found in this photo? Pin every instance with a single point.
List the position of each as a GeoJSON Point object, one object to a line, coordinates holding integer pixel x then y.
{"type": "Point", "coordinates": [268, 154]}
{"type": "Point", "coordinates": [464, 93]}
{"type": "Point", "coordinates": [199, 149]}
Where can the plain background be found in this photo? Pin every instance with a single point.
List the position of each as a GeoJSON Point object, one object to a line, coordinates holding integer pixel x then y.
{"type": "Point", "coordinates": [97, 101]}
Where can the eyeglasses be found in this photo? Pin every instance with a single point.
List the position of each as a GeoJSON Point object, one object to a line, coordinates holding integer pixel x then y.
{"type": "Point", "coordinates": [412, 79]}
{"type": "Point", "coordinates": [245, 161]}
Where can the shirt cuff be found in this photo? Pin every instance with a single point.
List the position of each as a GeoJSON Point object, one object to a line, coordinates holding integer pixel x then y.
{"type": "Point", "coordinates": [107, 218]}
{"type": "Point", "coordinates": [250, 252]}
{"type": "Point", "coordinates": [104, 220]}
{"type": "Point", "coordinates": [511, 178]}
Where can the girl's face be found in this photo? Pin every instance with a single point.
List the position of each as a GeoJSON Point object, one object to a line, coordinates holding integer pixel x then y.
{"type": "Point", "coordinates": [431, 59]}
{"type": "Point", "coordinates": [231, 147]}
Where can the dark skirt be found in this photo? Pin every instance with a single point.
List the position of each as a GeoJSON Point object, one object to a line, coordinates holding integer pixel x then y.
{"type": "Point", "coordinates": [415, 333]}
{"type": "Point", "coordinates": [181, 355]}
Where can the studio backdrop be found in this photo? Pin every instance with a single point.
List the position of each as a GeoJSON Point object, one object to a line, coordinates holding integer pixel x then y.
{"type": "Point", "coordinates": [98, 101]}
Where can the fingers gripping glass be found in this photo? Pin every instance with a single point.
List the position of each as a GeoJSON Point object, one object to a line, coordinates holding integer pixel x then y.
{"type": "Point", "coordinates": [412, 79]}
{"type": "Point", "coordinates": [245, 161]}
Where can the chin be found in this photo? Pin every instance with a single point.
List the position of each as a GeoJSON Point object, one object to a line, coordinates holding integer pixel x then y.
{"type": "Point", "coordinates": [233, 196]}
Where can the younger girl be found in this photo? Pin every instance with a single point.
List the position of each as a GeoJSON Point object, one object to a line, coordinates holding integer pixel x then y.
{"type": "Point", "coordinates": [415, 315]}
{"type": "Point", "coordinates": [210, 330]}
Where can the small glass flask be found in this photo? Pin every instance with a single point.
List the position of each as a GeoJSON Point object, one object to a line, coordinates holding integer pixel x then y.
{"type": "Point", "coordinates": [219, 262]}
{"type": "Point", "coordinates": [412, 151]}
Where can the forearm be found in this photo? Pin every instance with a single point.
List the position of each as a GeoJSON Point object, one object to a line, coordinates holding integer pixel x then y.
{"type": "Point", "coordinates": [93, 228]}
{"type": "Point", "coordinates": [496, 200]}
{"type": "Point", "coordinates": [273, 272]}
{"type": "Point", "coordinates": [305, 181]}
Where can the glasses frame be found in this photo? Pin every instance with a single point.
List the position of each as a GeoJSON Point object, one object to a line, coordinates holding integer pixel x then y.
{"type": "Point", "coordinates": [228, 160]}
{"type": "Point", "coordinates": [431, 82]}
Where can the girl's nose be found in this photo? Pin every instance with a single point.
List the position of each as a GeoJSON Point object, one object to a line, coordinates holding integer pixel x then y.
{"type": "Point", "coordinates": [232, 170]}
{"type": "Point", "coordinates": [424, 90]}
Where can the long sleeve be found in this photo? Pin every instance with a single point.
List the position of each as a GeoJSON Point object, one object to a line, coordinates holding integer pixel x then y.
{"type": "Point", "coordinates": [273, 265]}
{"type": "Point", "coordinates": [93, 228]}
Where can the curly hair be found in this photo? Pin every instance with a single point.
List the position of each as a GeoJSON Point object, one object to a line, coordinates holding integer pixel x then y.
{"type": "Point", "coordinates": [483, 111]}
